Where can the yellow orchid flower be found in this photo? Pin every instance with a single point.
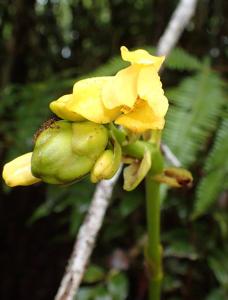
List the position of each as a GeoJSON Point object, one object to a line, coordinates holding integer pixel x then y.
{"type": "Point", "coordinates": [133, 97]}
{"type": "Point", "coordinates": [137, 89]}
{"type": "Point", "coordinates": [18, 171]}
{"type": "Point", "coordinates": [85, 102]}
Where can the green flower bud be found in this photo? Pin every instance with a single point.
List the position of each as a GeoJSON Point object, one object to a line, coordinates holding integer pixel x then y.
{"type": "Point", "coordinates": [89, 139]}
{"type": "Point", "coordinates": [67, 151]}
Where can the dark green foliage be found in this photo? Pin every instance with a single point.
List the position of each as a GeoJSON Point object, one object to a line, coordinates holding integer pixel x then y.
{"type": "Point", "coordinates": [45, 46]}
{"type": "Point", "coordinates": [181, 60]}
{"type": "Point", "coordinates": [193, 117]}
{"type": "Point", "coordinates": [215, 177]}
{"type": "Point", "coordinates": [196, 124]}
{"type": "Point", "coordinates": [115, 287]}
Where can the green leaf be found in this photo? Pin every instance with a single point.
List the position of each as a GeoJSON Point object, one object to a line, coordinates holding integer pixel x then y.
{"type": "Point", "coordinates": [181, 249]}
{"type": "Point", "coordinates": [217, 294]}
{"type": "Point", "coordinates": [170, 283]}
{"type": "Point", "coordinates": [181, 60]}
{"type": "Point", "coordinates": [193, 117]}
{"type": "Point", "coordinates": [84, 293]}
{"type": "Point", "coordinates": [93, 274]}
{"type": "Point", "coordinates": [215, 171]}
{"type": "Point", "coordinates": [100, 293]}
{"type": "Point", "coordinates": [219, 265]}
{"type": "Point", "coordinates": [178, 245]}
{"type": "Point", "coordinates": [118, 286]}
{"type": "Point", "coordinates": [130, 201]}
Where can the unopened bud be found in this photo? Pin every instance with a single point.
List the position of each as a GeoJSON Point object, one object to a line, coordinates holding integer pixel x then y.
{"type": "Point", "coordinates": [107, 164]}
{"type": "Point", "coordinates": [65, 152]}
{"type": "Point", "coordinates": [18, 171]}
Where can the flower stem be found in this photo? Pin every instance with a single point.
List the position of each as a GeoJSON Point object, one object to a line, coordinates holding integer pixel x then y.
{"type": "Point", "coordinates": [153, 251]}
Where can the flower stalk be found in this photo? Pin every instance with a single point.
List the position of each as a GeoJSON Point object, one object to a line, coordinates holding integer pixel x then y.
{"type": "Point", "coordinates": [153, 252]}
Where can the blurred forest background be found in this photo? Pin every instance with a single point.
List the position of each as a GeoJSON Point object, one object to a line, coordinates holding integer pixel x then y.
{"type": "Point", "coordinates": [45, 46]}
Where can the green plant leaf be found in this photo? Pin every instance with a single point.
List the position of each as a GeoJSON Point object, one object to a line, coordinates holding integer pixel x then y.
{"type": "Point", "coordinates": [118, 286]}
{"type": "Point", "coordinates": [215, 171]}
{"type": "Point", "coordinates": [193, 116]}
{"type": "Point", "coordinates": [93, 274]}
{"type": "Point", "coordinates": [219, 265]}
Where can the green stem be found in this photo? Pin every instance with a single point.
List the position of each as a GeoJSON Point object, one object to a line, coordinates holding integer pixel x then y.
{"type": "Point", "coordinates": [136, 149]}
{"type": "Point", "coordinates": [153, 254]}
{"type": "Point", "coordinates": [153, 251]}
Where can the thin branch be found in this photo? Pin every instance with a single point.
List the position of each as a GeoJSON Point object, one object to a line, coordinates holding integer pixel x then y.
{"type": "Point", "coordinates": [178, 22]}
{"type": "Point", "coordinates": [89, 229]}
{"type": "Point", "coordinates": [168, 154]}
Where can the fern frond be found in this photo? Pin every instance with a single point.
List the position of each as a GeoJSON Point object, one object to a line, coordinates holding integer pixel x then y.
{"type": "Point", "coordinates": [218, 263]}
{"type": "Point", "coordinates": [216, 173]}
{"type": "Point", "coordinates": [197, 104]}
{"type": "Point", "coordinates": [181, 60]}
{"type": "Point", "coordinates": [111, 67]}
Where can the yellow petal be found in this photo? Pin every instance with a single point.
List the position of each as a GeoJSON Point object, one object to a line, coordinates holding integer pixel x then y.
{"type": "Point", "coordinates": [59, 107]}
{"type": "Point", "coordinates": [150, 89]}
{"type": "Point", "coordinates": [141, 118]}
{"type": "Point", "coordinates": [122, 89]}
{"type": "Point", "coordinates": [141, 56]}
{"type": "Point", "coordinates": [87, 100]}
{"type": "Point", "coordinates": [18, 171]}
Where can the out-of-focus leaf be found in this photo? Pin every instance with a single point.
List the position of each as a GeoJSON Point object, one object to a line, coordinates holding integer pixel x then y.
{"type": "Point", "coordinates": [118, 286]}
{"type": "Point", "coordinates": [218, 262]}
{"type": "Point", "coordinates": [129, 202]}
{"type": "Point", "coordinates": [217, 294]}
{"type": "Point", "coordinates": [216, 170]}
{"type": "Point", "coordinates": [181, 60]}
{"type": "Point", "coordinates": [181, 249]}
{"type": "Point", "coordinates": [177, 245]}
{"type": "Point", "coordinates": [93, 274]}
{"type": "Point", "coordinates": [84, 293]}
{"type": "Point", "coordinates": [101, 293]}
{"type": "Point", "coordinates": [114, 230]}
{"type": "Point", "coordinates": [170, 283]}
{"type": "Point", "coordinates": [197, 106]}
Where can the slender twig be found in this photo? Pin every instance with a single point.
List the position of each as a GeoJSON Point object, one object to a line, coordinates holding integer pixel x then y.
{"type": "Point", "coordinates": [170, 157]}
{"type": "Point", "coordinates": [178, 22]}
{"type": "Point", "coordinates": [89, 229]}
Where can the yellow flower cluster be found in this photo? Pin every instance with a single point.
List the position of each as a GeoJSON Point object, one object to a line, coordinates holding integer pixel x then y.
{"type": "Point", "coordinates": [133, 98]}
